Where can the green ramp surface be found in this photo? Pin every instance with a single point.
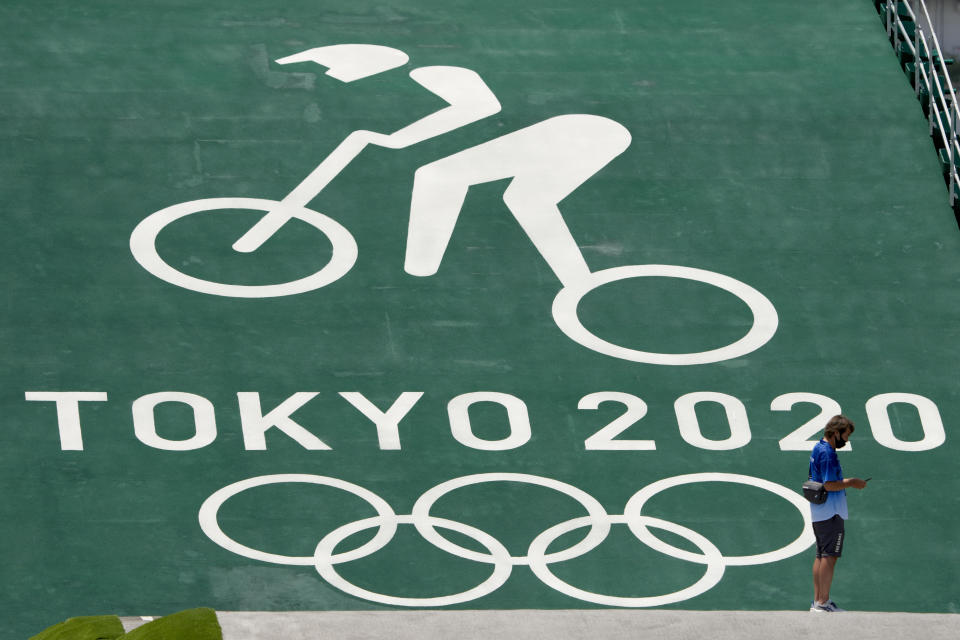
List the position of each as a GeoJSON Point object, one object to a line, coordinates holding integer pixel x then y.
{"type": "Point", "coordinates": [627, 263]}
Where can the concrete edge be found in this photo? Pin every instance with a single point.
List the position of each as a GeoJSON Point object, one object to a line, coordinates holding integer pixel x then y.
{"type": "Point", "coordinates": [576, 624]}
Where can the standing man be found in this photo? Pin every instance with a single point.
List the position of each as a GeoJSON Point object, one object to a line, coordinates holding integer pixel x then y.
{"type": "Point", "coordinates": [828, 518]}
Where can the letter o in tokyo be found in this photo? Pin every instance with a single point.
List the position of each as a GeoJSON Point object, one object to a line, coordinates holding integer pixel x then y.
{"type": "Point", "coordinates": [145, 427]}
{"type": "Point", "coordinates": [458, 410]}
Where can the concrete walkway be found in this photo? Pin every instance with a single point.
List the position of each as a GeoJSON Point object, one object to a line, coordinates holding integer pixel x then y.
{"type": "Point", "coordinates": [581, 624]}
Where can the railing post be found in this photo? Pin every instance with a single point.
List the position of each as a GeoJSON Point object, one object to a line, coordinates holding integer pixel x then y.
{"type": "Point", "coordinates": [952, 136]}
{"type": "Point", "coordinates": [897, 25]}
{"type": "Point", "coordinates": [917, 56]}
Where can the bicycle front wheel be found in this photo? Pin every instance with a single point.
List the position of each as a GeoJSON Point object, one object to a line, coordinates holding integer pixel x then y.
{"type": "Point", "coordinates": [143, 246]}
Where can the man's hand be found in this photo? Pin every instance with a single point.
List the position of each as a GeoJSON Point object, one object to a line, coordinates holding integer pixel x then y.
{"type": "Point", "coordinates": [857, 483]}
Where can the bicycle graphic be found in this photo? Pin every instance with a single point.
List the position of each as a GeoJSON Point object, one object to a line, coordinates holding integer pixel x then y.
{"type": "Point", "coordinates": [546, 162]}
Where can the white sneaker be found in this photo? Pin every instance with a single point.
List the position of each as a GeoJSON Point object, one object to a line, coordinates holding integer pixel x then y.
{"type": "Point", "coordinates": [831, 606]}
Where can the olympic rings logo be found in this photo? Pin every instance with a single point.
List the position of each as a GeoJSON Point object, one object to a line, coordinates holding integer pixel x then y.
{"type": "Point", "coordinates": [597, 520]}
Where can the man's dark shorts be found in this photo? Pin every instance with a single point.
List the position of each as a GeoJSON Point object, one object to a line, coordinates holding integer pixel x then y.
{"type": "Point", "coordinates": [829, 535]}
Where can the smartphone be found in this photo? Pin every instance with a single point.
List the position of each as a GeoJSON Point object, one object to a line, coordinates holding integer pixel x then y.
{"type": "Point", "coordinates": [868, 479]}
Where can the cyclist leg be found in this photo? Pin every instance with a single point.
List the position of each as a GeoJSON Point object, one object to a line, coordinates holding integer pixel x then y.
{"type": "Point", "coordinates": [547, 161]}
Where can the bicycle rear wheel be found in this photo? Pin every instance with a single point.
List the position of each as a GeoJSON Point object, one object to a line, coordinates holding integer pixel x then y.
{"type": "Point", "coordinates": [765, 318]}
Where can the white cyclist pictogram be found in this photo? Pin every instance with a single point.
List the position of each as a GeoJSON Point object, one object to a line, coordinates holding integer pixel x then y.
{"type": "Point", "coordinates": [597, 522]}
{"type": "Point", "coordinates": [545, 161]}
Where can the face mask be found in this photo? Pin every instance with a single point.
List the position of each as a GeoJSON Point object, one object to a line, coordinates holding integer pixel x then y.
{"type": "Point", "coordinates": [841, 442]}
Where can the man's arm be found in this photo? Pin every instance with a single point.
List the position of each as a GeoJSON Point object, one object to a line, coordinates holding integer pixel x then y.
{"type": "Point", "coordinates": [840, 485]}
{"type": "Point", "coordinates": [468, 100]}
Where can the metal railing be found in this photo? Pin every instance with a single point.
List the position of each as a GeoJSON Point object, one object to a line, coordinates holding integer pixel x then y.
{"type": "Point", "coordinates": [917, 39]}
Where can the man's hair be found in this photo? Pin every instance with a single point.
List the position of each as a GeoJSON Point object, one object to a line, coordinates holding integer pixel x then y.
{"type": "Point", "coordinates": [837, 424]}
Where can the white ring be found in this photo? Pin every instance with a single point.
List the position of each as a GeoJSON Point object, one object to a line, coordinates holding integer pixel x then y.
{"type": "Point", "coordinates": [712, 556]}
{"type": "Point", "coordinates": [565, 314]}
{"type": "Point", "coordinates": [211, 506]}
{"type": "Point", "coordinates": [596, 513]}
{"type": "Point", "coordinates": [144, 248]}
{"type": "Point", "coordinates": [501, 571]}
{"type": "Point", "coordinates": [636, 502]}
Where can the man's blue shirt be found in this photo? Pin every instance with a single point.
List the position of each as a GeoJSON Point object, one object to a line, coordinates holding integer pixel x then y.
{"type": "Point", "coordinates": [825, 467]}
